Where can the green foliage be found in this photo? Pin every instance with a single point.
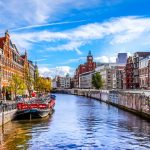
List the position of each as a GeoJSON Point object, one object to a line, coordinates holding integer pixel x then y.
{"type": "Point", "coordinates": [43, 84]}
{"type": "Point", "coordinates": [28, 79]}
{"type": "Point", "coordinates": [17, 86]}
{"type": "Point", "coordinates": [97, 81]}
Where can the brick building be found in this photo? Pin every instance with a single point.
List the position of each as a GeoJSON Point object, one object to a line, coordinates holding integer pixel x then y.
{"type": "Point", "coordinates": [83, 68]}
{"type": "Point", "coordinates": [136, 58]}
{"type": "Point", "coordinates": [129, 73]}
{"type": "Point", "coordinates": [11, 62]}
{"type": "Point", "coordinates": [144, 72]}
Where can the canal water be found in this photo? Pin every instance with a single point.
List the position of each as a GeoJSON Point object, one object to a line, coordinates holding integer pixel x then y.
{"type": "Point", "coordinates": [78, 123]}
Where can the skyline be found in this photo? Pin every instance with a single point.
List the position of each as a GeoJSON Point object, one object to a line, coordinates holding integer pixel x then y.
{"type": "Point", "coordinates": [58, 35]}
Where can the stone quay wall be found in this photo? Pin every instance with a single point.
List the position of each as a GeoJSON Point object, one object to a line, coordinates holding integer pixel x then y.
{"type": "Point", "coordinates": [7, 113]}
{"type": "Point", "coordinates": [138, 103]}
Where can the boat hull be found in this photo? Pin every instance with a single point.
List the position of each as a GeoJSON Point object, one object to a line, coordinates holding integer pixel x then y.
{"type": "Point", "coordinates": [32, 113]}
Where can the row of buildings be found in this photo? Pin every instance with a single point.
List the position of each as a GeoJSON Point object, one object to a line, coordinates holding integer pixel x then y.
{"type": "Point", "coordinates": [68, 82]}
{"type": "Point", "coordinates": [12, 62]}
{"type": "Point", "coordinates": [137, 71]}
{"type": "Point", "coordinates": [131, 72]}
{"type": "Point", "coordinates": [62, 82]}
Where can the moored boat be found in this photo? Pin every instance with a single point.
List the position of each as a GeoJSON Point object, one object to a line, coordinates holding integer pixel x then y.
{"type": "Point", "coordinates": [35, 108]}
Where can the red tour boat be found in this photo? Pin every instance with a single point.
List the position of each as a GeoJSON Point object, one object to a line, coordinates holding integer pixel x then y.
{"type": "Point", "coordinates": [35, 108]}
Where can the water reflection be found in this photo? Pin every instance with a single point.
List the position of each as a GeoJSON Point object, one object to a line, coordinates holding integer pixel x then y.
{"type": "Point", "coordinates": [79, 123]}
{"type": "Point", "coordinates": [15, 135]}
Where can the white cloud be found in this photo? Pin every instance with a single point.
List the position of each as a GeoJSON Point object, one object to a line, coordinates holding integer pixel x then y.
{"type": "Point", "coordinates": [71, 46]}
{"type": "Point", "coordinates": [106, 59]}
{"type": "Point", "coordinates": [118, 30]}
{"type": "Point", "coordinates": [31, 12]}
{"type": "Point", "coordinates": [45, 25]}
{"type": "Point", "coordinates": [52, 72]}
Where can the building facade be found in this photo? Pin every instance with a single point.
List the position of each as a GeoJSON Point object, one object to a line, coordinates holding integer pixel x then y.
{"type": "Point", "coordinates": [85, 80]}
{"type": "Point", "coordinates": [11, 62]}
{"type": "Point", "coordinates": [129, 73]}
{"type": "Point", "coordinates": [144, 72]}
{"type": "Point", "coordinates": [31, 68]}
{"type": "Point", "coordinates": [54, 83]}
{"type": "Point", "coordinates": [90, 65]}
{"type": "Point", "coordinates": [136, 58]}
{"type": "Point", "coordinates": [124, 78]}
{"type": "Point", "coordinates": [64, 82]}
{"type": "Point", "coordinates": [106, 72]}
{"type": "Point", "coordinates": [117, 77]}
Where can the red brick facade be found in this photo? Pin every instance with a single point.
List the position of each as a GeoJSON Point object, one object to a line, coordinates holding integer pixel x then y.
{"type": "Point", "coordinates": [82, 68]}
{"type": "Point", "coordinates": [136, 58]}
{"type": "Point", "coordinates": [129, 73]}
{"type": "Point", "coordinates": [144, 72]}
{"type": "Point", "coordinates": [11, 62]}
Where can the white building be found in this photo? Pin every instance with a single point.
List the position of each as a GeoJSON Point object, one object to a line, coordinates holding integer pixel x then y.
{"type": "Point", "coordinates": [67, 82]}
{"type": "Point", "coordinates": [64, 82]}
{"type": "Point", "coordinates": [106, 71]}
{"type": "Point", "coordinates": [54, 83]}
{"type": "Point", "coordinates": [85, 80]}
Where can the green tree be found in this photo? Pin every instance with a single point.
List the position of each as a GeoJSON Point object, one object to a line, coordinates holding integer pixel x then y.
{"type": "Point", "coordinates": [28, 80]}
{"type": "Point", "coordinates": [43, 84]}
{"type": "Point", "coordinates": [36, 79]}
{"type": "Point", "coordinates": [97, 81]}
{"type": "Point", "coordinates": [17, 86]}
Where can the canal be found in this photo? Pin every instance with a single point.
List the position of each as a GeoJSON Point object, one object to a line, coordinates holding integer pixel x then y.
{"type": "Point", "coordinates": [78, 123]}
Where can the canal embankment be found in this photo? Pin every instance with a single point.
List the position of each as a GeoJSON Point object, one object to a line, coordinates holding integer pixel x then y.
{"type": "Point", "coordinates": [7, 112]}
{"type": "Point", "coordinates": [133, 101]}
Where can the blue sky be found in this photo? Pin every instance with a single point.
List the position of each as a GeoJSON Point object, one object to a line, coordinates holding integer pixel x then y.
{"type": "Point", "coordinates": [59, 33]}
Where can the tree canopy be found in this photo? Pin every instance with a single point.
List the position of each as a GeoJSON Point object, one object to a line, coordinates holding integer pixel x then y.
{"type": "Point", "coordinates": [17, 85]}
{"type": "Point", "coordinates": [97, 81]}
{"type": "Point", "coordinates": [29, 80]}
{"type": "Point", "coordinates": [43, 84]}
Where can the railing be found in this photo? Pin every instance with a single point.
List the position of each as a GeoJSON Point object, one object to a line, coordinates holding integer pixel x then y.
{"type": "Point", "coordinates": [7, 107]}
